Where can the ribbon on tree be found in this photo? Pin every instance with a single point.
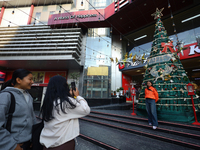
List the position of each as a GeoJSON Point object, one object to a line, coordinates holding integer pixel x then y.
{"type": "Point", "coordinates": [121, 66]}
{"type": "Point", "coordinates": [167, 45]}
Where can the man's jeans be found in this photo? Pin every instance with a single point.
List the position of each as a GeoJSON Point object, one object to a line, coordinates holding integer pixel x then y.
{"type": "Point", "coordinates": [151, 110]}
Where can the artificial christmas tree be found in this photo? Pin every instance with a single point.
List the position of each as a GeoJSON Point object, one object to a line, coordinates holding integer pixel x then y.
{"type": "Point", "coordinates": [166, 72]}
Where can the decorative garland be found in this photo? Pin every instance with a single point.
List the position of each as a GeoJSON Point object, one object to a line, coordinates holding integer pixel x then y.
{"type": "Point", "coordinates": [172, 104]}
{"type": "Point", "coordinates": [171, 98]}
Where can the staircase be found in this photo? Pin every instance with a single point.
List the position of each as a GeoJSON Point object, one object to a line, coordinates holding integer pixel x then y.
{"type": "Point", "coordinates": [120, 130]}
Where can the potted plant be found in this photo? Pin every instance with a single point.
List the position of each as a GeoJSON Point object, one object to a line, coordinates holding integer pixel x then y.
{"type": "Point", "coordinates": [114, 93]}
{"type": "Point", "coordinates": [121, 91]}
{"type": "Point", "coordinates": [117, 93]}
{"type": "Point", "coordinates": [111, 92]}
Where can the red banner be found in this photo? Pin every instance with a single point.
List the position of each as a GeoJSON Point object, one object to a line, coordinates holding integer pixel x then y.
{"type": "Point", "coordinates": [191, 52]}
{"type": "Point", "coordinates": [126, 84]}
{"type": "Point", "coordinates": [48, 75]}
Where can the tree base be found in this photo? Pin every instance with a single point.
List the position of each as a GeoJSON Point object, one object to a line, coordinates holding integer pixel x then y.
{"type": "Point", "coordinates": [172, 116]}
{"type": "Point", "coordinates": [196, 123]}
{"type": "Point", "coordinates": [134, 114]}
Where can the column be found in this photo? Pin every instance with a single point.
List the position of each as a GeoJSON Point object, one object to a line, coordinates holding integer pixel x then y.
{"type": "Point", "coordinates": [30, 14]}
{"type": "Point", "coordinates": [1, 14]}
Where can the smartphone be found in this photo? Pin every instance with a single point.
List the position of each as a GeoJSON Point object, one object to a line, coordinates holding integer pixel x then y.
{"type": "Point", "coordinates": [73, 86]}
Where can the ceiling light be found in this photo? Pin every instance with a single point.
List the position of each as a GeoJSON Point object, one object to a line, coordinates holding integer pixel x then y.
{"type": "Point", "coordinates": [172, 16]}
{"type": "Point", "coordinates": [196, 70]}
{"type": "Point", "coordinates": [169, 5]}
{"type": "Point", "coordinates": [140, 37]}
{"type": "Point", "coordinates": [190, 18]}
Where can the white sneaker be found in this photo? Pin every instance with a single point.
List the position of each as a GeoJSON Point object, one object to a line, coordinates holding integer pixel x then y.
{"type": "Point", "coordinates": [150, 124]}
{"type": "Point", "coordinates": [154, 127]}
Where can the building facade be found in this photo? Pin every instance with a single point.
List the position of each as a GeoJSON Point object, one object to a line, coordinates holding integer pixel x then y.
{"type": "Point", "coordinates": [75, 36]}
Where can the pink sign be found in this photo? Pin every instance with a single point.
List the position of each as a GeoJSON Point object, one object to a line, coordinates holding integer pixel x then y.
{"type": "Point", "coordinates": [76, 17]}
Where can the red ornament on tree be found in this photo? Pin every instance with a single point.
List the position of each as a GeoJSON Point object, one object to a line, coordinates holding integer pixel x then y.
{"type": "Point", "coordinates": [159, 29]}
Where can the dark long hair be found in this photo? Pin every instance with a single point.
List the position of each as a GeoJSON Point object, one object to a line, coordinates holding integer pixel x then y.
{"type": "Point", "coordinates": [19, 73]}
{"type": "Point", "coordinates": [151, 85]}
{"type": "Point", "coordinates": [57, 89]}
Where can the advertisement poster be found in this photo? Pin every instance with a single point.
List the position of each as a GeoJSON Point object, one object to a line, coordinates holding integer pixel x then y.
{"type": "Point", "coordinates": [38, 77]}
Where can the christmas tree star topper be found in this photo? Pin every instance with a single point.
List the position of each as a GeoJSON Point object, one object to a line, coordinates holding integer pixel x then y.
{"type": "Point", "coordinates": [158, 13]}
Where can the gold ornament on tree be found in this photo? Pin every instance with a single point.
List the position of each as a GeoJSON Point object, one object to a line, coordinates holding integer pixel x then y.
{"type": "Point", "coordinates": [116, 60]}
{"type": "Point", "coordinates": [111, 59]}
{"type": "Point", "coordinates": [134, 58]}
{"type": "Point", "coordinates": [126, 56]}
{"type": "Point", "coordinates": [130, 55]}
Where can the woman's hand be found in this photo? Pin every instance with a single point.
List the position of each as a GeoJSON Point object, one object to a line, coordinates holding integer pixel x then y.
{"type": "Point", "coordinates": [18, 147]}
{"type": "Point", "coordinates": [75, 93]}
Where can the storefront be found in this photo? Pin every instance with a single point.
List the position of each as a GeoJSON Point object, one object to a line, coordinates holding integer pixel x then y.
{"type": "Point", "coordinates": [92, 42]}
{"type": "Point", "coordinates": [41, 80]}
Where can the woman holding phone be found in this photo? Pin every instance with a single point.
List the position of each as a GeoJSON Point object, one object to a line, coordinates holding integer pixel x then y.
{"type": "Point", "coordinates": [60, 112]}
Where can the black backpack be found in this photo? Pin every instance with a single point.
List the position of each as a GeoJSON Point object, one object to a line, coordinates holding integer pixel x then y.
{"type": "Point", "coordinates": [10, 112]}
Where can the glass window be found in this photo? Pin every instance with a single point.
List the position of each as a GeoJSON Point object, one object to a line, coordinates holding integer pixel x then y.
{"type": "Point", "coordinates": [140, 50]}
{"type": "Point", "coordinates": [37, 17]}
{"type": "Point", "coordinates": [97, 86]}
{"type": "Point", "coordinates": [99, 3]}
{"type": "Point", "coordinates": [97, 70]}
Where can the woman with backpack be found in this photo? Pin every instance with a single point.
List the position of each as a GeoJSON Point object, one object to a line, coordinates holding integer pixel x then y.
{"type": "Point", "coordinates": [60, 113]}
{"type": "Point", "coordinates": [18, 135]}
{"type": "Point", "coordinates": [151, 96]}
